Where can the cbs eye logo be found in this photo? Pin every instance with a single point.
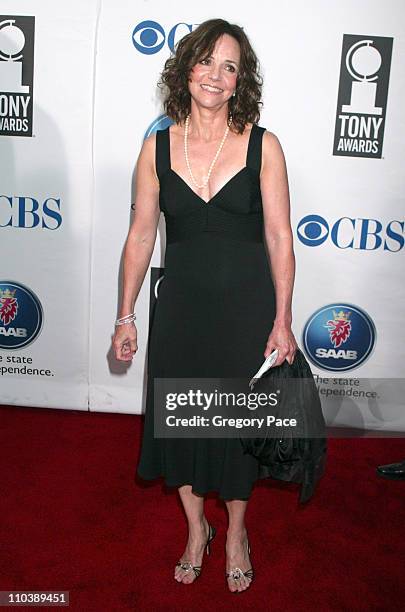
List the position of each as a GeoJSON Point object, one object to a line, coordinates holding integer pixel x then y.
{"type": "Point", "coordinates": [149, 37]}
{"type": "Point", "coordinates": [357, 233]}
{"type": "Point", "coordinates": [313, 230]}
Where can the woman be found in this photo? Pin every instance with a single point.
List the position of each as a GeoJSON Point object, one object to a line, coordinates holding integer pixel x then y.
{"type": "Point", "coordinates": [221, 182]}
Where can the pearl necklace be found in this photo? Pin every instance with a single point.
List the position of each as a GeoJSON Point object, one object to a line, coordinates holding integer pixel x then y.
{"type": "Point", "coordinates": [205, 183]}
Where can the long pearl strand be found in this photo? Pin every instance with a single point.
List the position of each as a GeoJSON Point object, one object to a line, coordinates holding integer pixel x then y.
{"type": "Point", "coordinates": [205, 183]}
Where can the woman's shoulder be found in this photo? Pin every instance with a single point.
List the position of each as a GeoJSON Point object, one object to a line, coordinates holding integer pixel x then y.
{"type": "Point", "coordinates": [269, 137]}
{"type": "Point", "coordinates": [267, 134]}
{"type": "Point", "coordinates": [270, 143]}
{"type": "Point", "coordinates": [150, 141]}
{"type": "Point", "coordinates": [272, 152]}
{"type": "Point", "coordinates": [147, 154]}
{"type": "Point", "coordinates": [271, 146]}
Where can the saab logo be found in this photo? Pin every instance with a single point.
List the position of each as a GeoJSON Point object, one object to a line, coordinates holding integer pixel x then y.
{"type": "Point", "coordinates": [362, 99]}
{"type": "Point", "coordinates": [21, 315]}
{"type": "Point", "coordinates": [16, 75]}
{"type": "Point", "coordinates": [149, 37]}
{"type": "Point", "coordinates": [351, 233]}
{"type": "Point", "coordinates": [339, 337]}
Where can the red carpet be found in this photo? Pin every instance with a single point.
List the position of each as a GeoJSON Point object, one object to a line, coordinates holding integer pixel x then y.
{"type": "Point", "coordinates": [73, 518]}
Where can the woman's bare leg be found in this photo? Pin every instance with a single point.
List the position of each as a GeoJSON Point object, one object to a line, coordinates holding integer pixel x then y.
{"type": "Point", "coordinates": [236, 543]}
{"type": "Point", "coordinates": [197, 532]}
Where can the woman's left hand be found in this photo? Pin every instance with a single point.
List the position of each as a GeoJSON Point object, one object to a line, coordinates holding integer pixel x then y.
{"type": "Point", "coordinates": [281, 338]}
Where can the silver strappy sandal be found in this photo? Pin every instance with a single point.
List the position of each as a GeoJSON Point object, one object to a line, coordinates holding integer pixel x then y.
{"type": "Point", "coordinates": [236, 573]}
{"type": "Point", "coordinates": [187, 565]}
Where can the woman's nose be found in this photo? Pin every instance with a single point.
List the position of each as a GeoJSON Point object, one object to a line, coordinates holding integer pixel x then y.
{"type": "Point", "coordinates": [214, 73]}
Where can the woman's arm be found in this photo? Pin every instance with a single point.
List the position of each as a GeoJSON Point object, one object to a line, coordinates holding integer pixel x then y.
{"type": "Point", "coordinates": [141, 238]}
{"type": "Point", "coordinates": [139, 247]}
{"type": "Point", "coordinates": [279, 241]}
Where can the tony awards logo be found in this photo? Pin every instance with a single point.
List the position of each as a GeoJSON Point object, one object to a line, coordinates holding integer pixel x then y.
{"type": "Point", "coordinates": [16, 75]}
{"type": "Point", "coordinates": [363, 62]}
{"type": "Point", "coordinates": [362, 99]}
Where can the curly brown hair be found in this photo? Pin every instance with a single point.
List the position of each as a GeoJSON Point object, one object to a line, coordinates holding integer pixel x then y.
{"type": "Point", "coordinates": [198, 45]}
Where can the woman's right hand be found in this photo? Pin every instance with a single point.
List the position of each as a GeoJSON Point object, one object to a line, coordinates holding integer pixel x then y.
{"type": "Point", "coordinates": [125, 341]}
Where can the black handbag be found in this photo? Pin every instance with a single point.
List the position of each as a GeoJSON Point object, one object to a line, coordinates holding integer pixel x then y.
{"type": "Point", "coordinates": [285, 456]}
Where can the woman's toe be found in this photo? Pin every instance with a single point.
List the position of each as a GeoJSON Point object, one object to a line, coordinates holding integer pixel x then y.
{"type": "Point", "coordinates": [179, 574]}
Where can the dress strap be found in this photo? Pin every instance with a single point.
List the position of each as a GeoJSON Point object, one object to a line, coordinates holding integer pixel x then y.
{"type": "Point", "coordinates": [254, 154]}
{"type": "Point", "coordinates": [162, 159]}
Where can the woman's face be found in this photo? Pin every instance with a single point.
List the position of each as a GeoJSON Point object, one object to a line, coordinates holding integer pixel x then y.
{"type": "Point", "coordinates": [212, 81]}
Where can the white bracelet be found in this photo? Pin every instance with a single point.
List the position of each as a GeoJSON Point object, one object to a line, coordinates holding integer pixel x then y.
{"type": "Point", "coordinates": [127, 319]}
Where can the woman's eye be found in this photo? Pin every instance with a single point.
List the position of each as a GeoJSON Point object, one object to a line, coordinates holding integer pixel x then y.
{"type": "Point", "coordinates": [204, 61]}
{"type": "Point", "coordinates": [231, 68]}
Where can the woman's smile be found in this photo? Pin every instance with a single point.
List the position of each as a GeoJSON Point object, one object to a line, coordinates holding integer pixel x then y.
{"type": "Point", "coordinates": [211, 88]}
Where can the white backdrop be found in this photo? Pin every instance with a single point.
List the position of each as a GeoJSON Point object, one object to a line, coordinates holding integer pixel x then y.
{"type": "Point", "coordinates": [90, 165]}
{"type": "Point", "coordinates": [54, 163]}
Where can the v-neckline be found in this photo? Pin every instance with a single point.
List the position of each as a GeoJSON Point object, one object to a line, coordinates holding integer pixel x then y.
{"type": "Point", "coordinates": [191, 190]}
{"type": "Point", "coordinates": [216, 194]}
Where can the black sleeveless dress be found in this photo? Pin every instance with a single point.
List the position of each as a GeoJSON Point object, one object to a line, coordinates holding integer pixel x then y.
{"type": "Point", "coordinates": [214, 312]}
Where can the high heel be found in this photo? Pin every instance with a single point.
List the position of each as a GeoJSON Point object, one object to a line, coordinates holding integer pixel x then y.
{"type": "Point", "coordinates": [187, 566]}
{"type": "Point", "coordinates": [236, 573]}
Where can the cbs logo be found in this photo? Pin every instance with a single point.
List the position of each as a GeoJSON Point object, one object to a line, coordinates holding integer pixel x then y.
{"type": "Point", "coordinates": [149, 37]}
